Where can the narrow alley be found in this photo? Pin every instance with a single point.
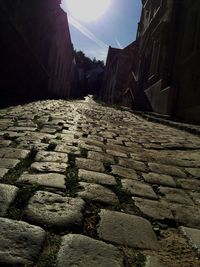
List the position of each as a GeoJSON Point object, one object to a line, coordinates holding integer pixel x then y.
{"type": "Point", "coordinates": [83, 184]}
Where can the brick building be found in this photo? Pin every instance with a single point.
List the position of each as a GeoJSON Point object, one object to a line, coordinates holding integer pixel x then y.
{"type": "Point", "coordinates": [36, 49]}
{"type": "Point", "coordinates": [165, 77]}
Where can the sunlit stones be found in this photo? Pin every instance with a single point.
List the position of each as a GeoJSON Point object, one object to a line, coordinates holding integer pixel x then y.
{"type": "Point", "coordinates": [87, 10]}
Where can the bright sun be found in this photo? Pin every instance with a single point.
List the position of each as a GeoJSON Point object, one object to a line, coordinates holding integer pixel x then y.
{"type": "Point", "coordinates": [87, 10]}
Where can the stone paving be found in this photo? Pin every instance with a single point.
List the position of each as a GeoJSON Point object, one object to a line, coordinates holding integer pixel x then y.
{"type": "Point", "coordinates": [83, 184]}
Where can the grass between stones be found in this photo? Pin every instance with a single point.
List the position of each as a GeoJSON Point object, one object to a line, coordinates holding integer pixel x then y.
{"type": "Point", "coordinates": [108, 168]}
{"type": "Point", "coordinates": [6, 136]}
{"type": "Point", "coordinates": [122, 196]}
{"type": "Point", "coordinates": [58, 137]}
{"type": "Point", "coordinates": [45, 140]}
{"type": "Point", "coordinates": [16, 210]}
{"type": "Point", "coordinates": [51, 147]}
{"type": "Point", "coordinates": [91, 219]}
{"type": "Point", "coordinates": [133, 258]}
{"type": "Point", "coordinates": [49, 255]}
{"type": "Point", "coordinates": [15, 123]}
{"type": "Point", "coordinates": [140, 260]}
{"type": "Point", "coordinates": [83, 152]}
{"type": "Point", "coordinates": [12, 175]}
{"type": "Point", "coordinates": [37, 122]}
{"type": "Point", "coordinates": [71, 177]}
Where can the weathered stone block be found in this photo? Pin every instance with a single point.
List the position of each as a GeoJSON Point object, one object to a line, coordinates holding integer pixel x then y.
{"type": "Point", "coordinates": [96, 177]}
{"type": "Point", "coordinates": [127, 230]}
{"type": "Point", "coordinates": [50, 180]}
{"type": "Point", "coordinates": [47, 208]}
{"type": "Point", "coordinates": [20, 243]}
{"type": "Point", "coordinates": [79, 250]}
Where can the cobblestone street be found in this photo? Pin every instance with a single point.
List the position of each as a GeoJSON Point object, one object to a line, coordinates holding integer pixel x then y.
{"type": "Point", "coordinates": [82, 184]}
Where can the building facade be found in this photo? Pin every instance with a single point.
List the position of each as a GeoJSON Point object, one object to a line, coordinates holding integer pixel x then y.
{"type": "Point", "coordinates": [187, 70]}
{"type": "Point", "coordinates": [164, 76]}
{"type": "Point", "coordinates": [36, 49]}
{"type": "Point", "coordinates": [118, 69]}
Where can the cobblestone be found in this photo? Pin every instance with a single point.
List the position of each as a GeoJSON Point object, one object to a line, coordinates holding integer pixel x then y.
{"type": "Point", "coordinates": [49, 167]}
{"type": "Point", "coordinates": [138, 189]}
{"type": "Point", "coordinates": [96, 177]}
{"type": "Point", "coordinates": [193, 235]}
{"type": "Point", "coordinates": [134, 231]}
{"type": "Point", "coordinates": [79, 250]}
{"type": "Point", "coordinates": [50, 180]}
{"type": "Point", "coordinates": [7, 196]}
{"type": "Point", "coordinates": [108, 182]}
{"type": "Point", "coordinates": [47, 208]}
{"type": "Point", "coordinates": [21, 242]}
{"type": "Point", "coordinates": [3, 171]}
{"type": "Point", "coordinates": [8, 163]}
{"type": "Point", "coordinates": [194, 172]}
{"type": "Point", "coordinates": [97, 193]}
{"type": "Point", "coordinates": [88, 164]}
{"type": "Point", "coordinates": [13, 153]}
{"type": "Point", "coordinates": [133, 164]}
{"type": "Point", "coordinates": [124, 172]}
{"type": "Point", "coordinates": [160, 179]}
{"type": "Point", "coordinates": [175, 195]}
{"type": "Point", "coordinates": [154, 209]}
{"type": "Point", "coordinates": [106, 158]}
{"type": "Point", "coordinates": [164, 169]}
{"type": "Point", "coordinates": [51, 157]}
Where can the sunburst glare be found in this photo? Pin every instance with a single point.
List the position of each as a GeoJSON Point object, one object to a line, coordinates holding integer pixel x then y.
{"type": "Point", "coordinates": [87, 10]}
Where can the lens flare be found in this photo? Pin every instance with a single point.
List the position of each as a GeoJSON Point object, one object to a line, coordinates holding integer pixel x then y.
{"type": "Point", "coordinates": [87, 10]}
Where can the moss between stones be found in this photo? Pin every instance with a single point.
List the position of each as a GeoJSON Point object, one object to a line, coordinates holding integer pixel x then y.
{"type": "Point", "coordinates": [45, 140]}
{"type": "Point", "coordinates": [39, 123]}
{"type": "Point", "coordinates": [58, 137]}
{"type": "Point", "coordinates": [51, 147]}
{"type": "Point", "coordinates": [83, 152]}
{"type": "Point", "coordinates": [6, 136]}
{"type": "Point", "coordinates": [108, 168]}
{"type": "Point", "coordinates": [49, 255]}
{"type": "Point", "coordinates": [91, 219]}
{"type": "Point", "coordinates": [15, 123]}
{"type": "Point", "coordinates": [140, 260]}
{"type": "Point", "coordinates": [16, 211]}
{"type": "Point", "coordinates": [12, 175]}
{"type": "Point", "coordinates": [71, 177]}
{"type": "Point", "coordinates": [117, 189]}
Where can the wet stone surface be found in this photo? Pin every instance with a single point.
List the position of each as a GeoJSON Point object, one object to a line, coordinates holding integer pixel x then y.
{"type": "Point", "coordinates": [105, 186]}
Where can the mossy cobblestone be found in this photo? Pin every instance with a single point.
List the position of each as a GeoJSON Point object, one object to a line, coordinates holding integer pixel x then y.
{"type": "Point", "coordinates": [85, 175]}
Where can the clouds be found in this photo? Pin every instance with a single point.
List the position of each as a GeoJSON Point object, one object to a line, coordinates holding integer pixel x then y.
{"type": "Point", "coordinates": [86, 32]}
{"type": "Point", "coordinates": [118, 43]}
{"type": "Point", "coordinates": [116, 28]}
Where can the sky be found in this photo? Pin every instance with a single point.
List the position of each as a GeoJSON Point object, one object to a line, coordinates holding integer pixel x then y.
{"type": "Point", "coordinates": [117, 27]}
